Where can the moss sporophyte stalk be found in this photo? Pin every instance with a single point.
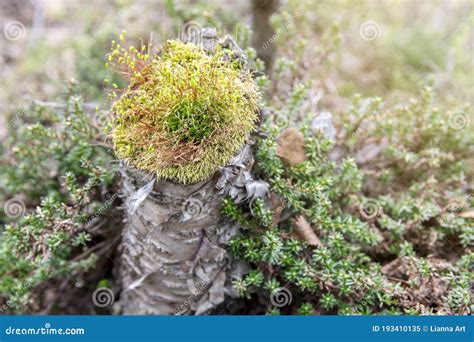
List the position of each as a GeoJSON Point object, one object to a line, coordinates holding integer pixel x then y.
{"type": "Point", "coordinates": [185, 112]}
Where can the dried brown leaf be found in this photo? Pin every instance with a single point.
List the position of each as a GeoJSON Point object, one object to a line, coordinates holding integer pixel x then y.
{"type": "Point", "coordinates": [304, 230]}
{"type": "Point", "coordinates": [291, 146]}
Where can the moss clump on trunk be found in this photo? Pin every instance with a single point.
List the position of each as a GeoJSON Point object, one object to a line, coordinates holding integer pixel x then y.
{"type": "Point", "coordinates": [185, 112]}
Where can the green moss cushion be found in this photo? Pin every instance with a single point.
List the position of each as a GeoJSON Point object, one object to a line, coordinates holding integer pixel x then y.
{"type": "Point", "coordinates": [184, 113]}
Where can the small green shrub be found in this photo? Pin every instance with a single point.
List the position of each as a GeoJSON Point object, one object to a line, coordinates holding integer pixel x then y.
{"type": "Point", "coordinates": [58, 177]}
{"type": "Point", "coordinates": [383, 240]}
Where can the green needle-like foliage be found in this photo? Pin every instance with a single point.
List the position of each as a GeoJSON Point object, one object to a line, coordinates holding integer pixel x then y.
{"type": "Point", "coordinates": [379, 245]}
{"type": "Point", "coordinates": [58, 178]}
{"type": "Point", "coordinates": [185, 113]}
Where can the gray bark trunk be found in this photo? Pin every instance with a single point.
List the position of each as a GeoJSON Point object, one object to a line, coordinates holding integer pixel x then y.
{"type": "Point", "coordinates": [263, 31]}
{"type": "Point", "coordinates": [172, 256]}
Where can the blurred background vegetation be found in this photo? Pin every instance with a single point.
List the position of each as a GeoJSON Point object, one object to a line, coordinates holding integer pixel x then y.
{"type": "Point", "coordinates": [416, 43]}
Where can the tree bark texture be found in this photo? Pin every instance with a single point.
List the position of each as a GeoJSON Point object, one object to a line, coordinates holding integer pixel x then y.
{"type": "Point", "coordinates": [263, 31]}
